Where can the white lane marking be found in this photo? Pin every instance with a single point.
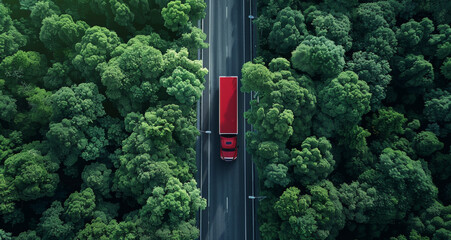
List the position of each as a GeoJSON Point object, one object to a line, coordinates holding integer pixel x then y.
{"type": "Point", "coordinates": [227, 204]}
{"type": "Point", "coordinates": [226, 11]}
{"type": "Point", "coordinates": [209, 100]}
{"type": "Point", "coordinates": [243, 134]}
{"type": "Point", "coordinates": [209, 119]}
{"type": "Point", "coordinates": [200, 56]}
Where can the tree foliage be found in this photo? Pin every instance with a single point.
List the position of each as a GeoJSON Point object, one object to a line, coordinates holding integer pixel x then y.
{"type": "Point", "coordinates": [318, 56]}
{"type": "Point", "coordinates": [367, 85]}
{"type": "Point", "coordinates": [288, 31]}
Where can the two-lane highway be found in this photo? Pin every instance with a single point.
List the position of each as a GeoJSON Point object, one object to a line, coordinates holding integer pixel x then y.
{"type": "Point", "coordinates": [225, 185]}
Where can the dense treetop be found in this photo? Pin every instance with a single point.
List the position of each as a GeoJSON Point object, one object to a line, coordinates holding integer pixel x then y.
{"type": "Point", "coordinates": [97, 119]}
{"type": "Point", "coordinates": [352, 121]}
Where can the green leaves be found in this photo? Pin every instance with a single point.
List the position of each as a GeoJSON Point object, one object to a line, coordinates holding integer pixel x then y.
{"type": "Point", "coordinates": [318, 56]}
{"type": "Point", "coordinates": [335, 28]}
{"type": "Point", "coordinates": [184, 85]}
{"type": "Point", "coordinates": [172, 209]}
{"type": "Point", "coordinates": [374, 71]}
{"type": "Point", "coordinates": [175, 15]}
{"type": "Point", "coordinates": [59, 32]}
{"type": "Point", "coordinates": [272, 121]}
{"type": "Point", "coordinates": [131, 76]}
{"type": "Point", "coordinates": [95, 47]}
{"type": "Point", "coordinates": [80, 205]}
{"type": "Point", "coordinates": [256, 77]}
{"type": "Point", "coordinates": [153, 151]}
{"type": "Point", "coordinates": [345, 98]}
{"type": "Point", "coordinates": [415, 71]}
{"type": "Point", "coordinates": [313, 161]}
{"type": "Point", "coordinates": [10, 39]}
{"type": "Point", "coordinates": [82, 101]}
{"type": "Point", "coordinates": [288, 31]}
{"type": "Point", "coordinates": [426, 143]}
{"type": "Point", "coordinates": [32, 174]}
{"type": "Point", "coordinates": [317, 215]}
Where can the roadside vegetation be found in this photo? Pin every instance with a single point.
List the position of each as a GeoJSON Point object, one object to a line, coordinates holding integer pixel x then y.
{"type": "Point", "coordinates": [98, 120]}
{"type": "Point", "coordinates": [352, 119]}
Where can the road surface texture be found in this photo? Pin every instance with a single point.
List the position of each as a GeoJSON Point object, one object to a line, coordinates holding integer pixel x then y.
{"type": "Point", "coordinates": [225, 185]}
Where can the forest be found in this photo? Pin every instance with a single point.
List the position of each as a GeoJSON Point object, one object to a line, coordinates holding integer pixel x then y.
{"type": "Point", "coordinates": [352, 119]}
{"type": "Point", "coordinates": [98, 120]}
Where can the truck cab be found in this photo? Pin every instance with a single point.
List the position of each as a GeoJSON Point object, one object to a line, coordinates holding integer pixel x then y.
{"type": "Point", "coordinates": [229, 147]}
{"type": "Point", "coordinates": [228, 117]}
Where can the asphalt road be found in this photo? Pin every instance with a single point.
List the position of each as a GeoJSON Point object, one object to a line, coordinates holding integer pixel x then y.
{"type": "Point", "coordinates": [225, 185]}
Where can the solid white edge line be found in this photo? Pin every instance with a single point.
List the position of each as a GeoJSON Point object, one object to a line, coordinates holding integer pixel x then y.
{"type": "Point", "coordinates": [244, 125]}
{"type": "Point", "coordinates": [252, 164]}
{"type": "Point", "coordinates": [200, 55]}
{"type": "Point", "coordinates": [209, 120]}
{"type": "Point", "coordinates": [227, 204]}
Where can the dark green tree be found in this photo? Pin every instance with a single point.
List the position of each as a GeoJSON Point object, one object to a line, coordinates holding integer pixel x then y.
{"type": "Point", "coordinates": [318, 56]}
{"type": "Point", "coordinates": [334, 27]}
{"type": "Point", "coordinates": [176, 15]}
{"type": "Point", "coordinates": [415, 71]}
{"type": "Point", "coordinates": [33, 175]}
{"type": "Point", "coordinates": [10, 38]}
{"type": "Point", "coordinates": [170, 211]}
{"type": "Point", "coordinates": [97, 177]}
{"type": "Point", "coordinates": [79, 205]}
{"type": "Point", "coordinates": [345, 99]}
{"type": "Point", "coordinates": [95, 47]}
{"type": "Point", "coordinates": [316, 215]}
{"type": "Point", "coordinates": [256, 77]}
{"type": "Point", "coordinates": [374, 71]}
{"type": "Point", "coordinates": [60, 33]}
{"type": "Point", "coordinates": [413, 35]}
{"type": "Point", "coordinates": [52, 224]}
{"type": "Point", "coordinates": [288, 31]}
{"type": "Point", "coordinates": [426, 143]}
{"type": "Point", "coordinates": [313, 161]}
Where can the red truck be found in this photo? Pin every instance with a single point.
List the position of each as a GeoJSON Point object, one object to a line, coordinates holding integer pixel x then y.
{"type": "Point", "coordinates": [228, 117]}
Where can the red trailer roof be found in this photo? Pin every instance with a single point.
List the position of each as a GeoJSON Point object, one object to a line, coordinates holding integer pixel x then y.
{"type": "Point", "coordinates": [228, 105]}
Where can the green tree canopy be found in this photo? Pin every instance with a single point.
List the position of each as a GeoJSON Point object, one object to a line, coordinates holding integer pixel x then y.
{"type": "Point", "coordinates": [171, 210]}
{"type": "Point", "coordinates": [274, 121]}
{"type": "Point", "coordinates": [95, 47]}
{"type": "Point", "coordinates": [288, 31]}
{"type": "Point", "coordinates": [130, 84]}
{"type": "Point", "coordinates": [313, 161]}
{"type": "Point", "coordinates": [79, 205]}
{"type": "Point", "coordinates": [317, 215]}
{"type": "Point", "coordinates": [52, 224]}
{"type": "Point", "coordinates": [97, 177]}
{"type": "Point", "coordinates": [334, 27]}
{"type": "Point", "coordinates": [176, 15]}
{"type": "Point", "coordinates": [415, 71]}
{"type": "Point", "coordinates": [33, 175]}
{"type": "Point", "coordinates": [11, 39]}
{"type": "Point", "coordinates": [318, 56]}
{"type": "Point", "coordinates": [183, 85]}
{"type": "Point", "coordinates": [374, 71]}
{"type": "Point", "coordinates": [256, 77]}
{"type": "Point", "coordinates": [60, 32]}
{"type": "Point", "coordinates": [22, 68]}
{"type": "Point", "coordinates": [426, 143]}
{"type": "Point", "coordinates": [345, 98]}
{"type": "Point", "coordinates": [151, 154]}
{"type": "Point", "coordinates": [387, 122]}
{"type": "Point", "coordinates": [414, 35]}
{"type": "Point", "coordinates": [402, 185]}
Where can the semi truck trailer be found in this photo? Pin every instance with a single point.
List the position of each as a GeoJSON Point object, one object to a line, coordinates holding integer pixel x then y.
{"type": "Point", "coordinates": [228, 117]}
